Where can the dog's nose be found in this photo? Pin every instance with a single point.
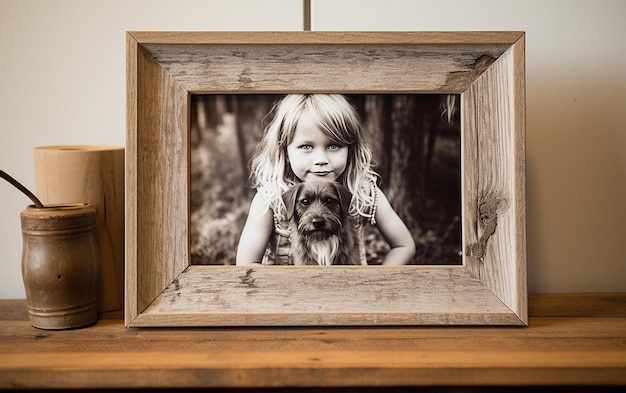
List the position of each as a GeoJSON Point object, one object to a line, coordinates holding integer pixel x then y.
{"type": "Point", "coordinates": [317, 222]}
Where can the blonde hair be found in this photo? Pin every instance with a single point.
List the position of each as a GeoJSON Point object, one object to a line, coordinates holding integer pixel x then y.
{"type": "Point", "coordinates": [337, 118]}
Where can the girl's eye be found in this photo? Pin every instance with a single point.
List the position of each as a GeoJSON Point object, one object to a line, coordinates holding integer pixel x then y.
{"type": "Point", "coordinates": [334, 147]}
{"type": "Point", "coordinates": [306, 147]}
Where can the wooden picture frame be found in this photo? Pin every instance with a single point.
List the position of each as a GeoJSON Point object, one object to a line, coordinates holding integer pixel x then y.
{"type": "Point", "coordinates": [485, 68]}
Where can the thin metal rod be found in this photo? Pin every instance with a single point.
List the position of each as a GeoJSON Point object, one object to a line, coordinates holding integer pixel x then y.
{"type": "Point", "coordinates": [20, 187]}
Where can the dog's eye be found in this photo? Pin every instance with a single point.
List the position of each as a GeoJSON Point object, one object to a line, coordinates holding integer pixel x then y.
{"type": "Point", "coordinates": [329, 201]}
{"type": "Point", "coordinates": [305, 202]}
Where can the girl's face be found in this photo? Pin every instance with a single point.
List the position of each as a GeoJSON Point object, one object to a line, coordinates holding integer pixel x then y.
{"type": "Point", "coordinates": [312, 156]}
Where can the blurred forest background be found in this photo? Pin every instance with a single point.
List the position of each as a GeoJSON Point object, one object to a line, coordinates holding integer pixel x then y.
{"type": "Point", "coordinates": [416, 143]}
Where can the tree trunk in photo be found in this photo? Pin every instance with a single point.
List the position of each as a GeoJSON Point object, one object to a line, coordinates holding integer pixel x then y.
{"type": "Point", "coordinates": [376, 129]}
{"type": "Point", "coordinates": [406, 181]}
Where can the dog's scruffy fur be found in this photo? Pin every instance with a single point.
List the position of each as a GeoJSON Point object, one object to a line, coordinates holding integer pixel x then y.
{"type": "Point", "coordinates": [322, 230]}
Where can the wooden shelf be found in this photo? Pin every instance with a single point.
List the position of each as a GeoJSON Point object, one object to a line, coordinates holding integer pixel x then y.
{"type": "Point", "coordinates": [572, 339]}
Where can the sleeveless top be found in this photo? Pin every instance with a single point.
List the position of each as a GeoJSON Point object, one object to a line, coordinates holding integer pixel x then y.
{"type": "Point", "coordinates": [279, 252]}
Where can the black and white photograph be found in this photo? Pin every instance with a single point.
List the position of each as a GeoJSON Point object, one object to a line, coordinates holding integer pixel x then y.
{"type": "Point", "coordinates": [325, 179]}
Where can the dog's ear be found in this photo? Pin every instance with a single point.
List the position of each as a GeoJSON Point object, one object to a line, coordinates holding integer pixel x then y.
{"type": "Point", "coordinates": [345, 196]}
{"type": "Point", "coordinates": [289, 198]}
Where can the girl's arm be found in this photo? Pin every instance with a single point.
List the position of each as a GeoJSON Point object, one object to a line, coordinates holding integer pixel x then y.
{"type": "Point", "coordinates": [395, 232]}
{"type": "Point", "coordinates": [256, 232]}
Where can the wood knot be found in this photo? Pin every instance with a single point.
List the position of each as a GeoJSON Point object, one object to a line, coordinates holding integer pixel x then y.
{"type": "Point", "coordinates": [247, 279]}
{"type": "Point", "coordinates": [489, 208]}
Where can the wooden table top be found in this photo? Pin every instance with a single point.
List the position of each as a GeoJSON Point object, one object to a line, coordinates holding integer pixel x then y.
{"type": "Point", "coordinates": [572, 339]}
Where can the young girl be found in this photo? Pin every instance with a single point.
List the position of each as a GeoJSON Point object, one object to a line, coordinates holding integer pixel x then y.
{"type": "Point", "coordinates": [314, 137]}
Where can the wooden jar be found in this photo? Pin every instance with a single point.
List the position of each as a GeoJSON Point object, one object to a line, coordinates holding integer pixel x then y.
{"type": "Point", "coordinates": [60, 265]}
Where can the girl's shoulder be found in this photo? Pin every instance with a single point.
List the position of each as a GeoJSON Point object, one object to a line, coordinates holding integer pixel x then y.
{"type": "Point", "coordinates": [259, 202]}
{"type": "Point", "coordinates": [270, 201]}
{"type": "Point", "coordinates": [260, 208]}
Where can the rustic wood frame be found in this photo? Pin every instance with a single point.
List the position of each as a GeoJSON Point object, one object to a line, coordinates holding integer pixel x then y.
{"type": "Point", "coordinates": [164, 69]}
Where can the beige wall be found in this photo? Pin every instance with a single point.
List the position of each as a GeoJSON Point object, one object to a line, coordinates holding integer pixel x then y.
{"type": "Point", "coordinates": [62, 82]}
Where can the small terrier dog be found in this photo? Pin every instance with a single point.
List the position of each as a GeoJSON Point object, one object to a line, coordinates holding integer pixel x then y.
{"type": "Point", "coordinates": [322, 230]}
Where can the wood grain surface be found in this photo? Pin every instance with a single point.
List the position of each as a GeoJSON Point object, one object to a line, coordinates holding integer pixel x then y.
{"type": "Point", "coordinates": [585, 349]}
